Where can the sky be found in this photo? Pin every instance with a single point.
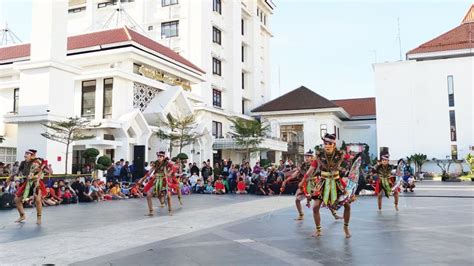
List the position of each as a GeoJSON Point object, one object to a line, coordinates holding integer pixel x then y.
{"type": "Point", "coordinates": [328, 46]}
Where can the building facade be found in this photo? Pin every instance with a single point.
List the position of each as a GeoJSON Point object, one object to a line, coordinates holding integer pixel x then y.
{"type": "Point", "coordinates": [228, 39]}
{"type": "Point", "coordinates": [119, 79]}
{"type": "Point", "coordinates": [302, 117]}
{"type": "Point", "coordinates": [425, 104]}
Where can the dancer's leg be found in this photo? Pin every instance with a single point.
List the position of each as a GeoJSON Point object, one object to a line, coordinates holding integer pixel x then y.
{"type": "Point", "coordinates": [317, 217]}
{"type": "Point", "coordinates": [39, 206]}
{"type": "Point", "coordinates": [395, 199]}
{"type": "Point", "coordinates": [19, 207]}
{"type": "Point", "coordinates": [299, 209]}
{"type": "Point", "coordinates": [379, 200]}
{"type": "Point", "coordinates": [334, 214]}
{"type": "Point", "coordinates": [347, 217]}
{"type": "Point", "coordinates": [168, 197]}
{"type": "Point", "coordinates": [149, 199]}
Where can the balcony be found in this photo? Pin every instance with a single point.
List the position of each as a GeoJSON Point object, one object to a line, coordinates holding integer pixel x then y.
{"type": "Point", "coordinates": [267, 144]}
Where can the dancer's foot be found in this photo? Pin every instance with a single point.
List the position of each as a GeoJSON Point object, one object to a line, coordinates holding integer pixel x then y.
{"type": "Point", "coordinates": [308, 204]}
{"type": "Point", "coordinates": [180, 202]}
{"type": "Point", "coordinates": [318, 232]}
{"type": "Point", "coordinates": [38, 219]}
{"type": "Point", "coordinates": [170, 213]}
{"type": "Point", "coordinates": [21, 218]}
{"type": "Point", "coordinates": [150, 213]}
{"type": "Point", "coordinates": [162, 205]}
{"type": "Point", "coordinates": [346, 231]}
{"type": "Point", "coordinates": [396, 207]}
{"type": "Point", "coordinates": [299, 217]}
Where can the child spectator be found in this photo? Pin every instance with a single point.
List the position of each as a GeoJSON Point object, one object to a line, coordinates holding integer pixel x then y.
{"type": "Point", "coordinates": [209, 188]}
{"type": "Point", "coordinates": [219, 185]}
{"type": "Point", "coordinates": [241, 187]}
{"type": "Point", "coordinates": [116, 192]}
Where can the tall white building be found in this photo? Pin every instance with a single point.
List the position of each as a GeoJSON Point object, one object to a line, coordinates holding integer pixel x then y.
{"type": "Point", "coordinates": [118, 76]}
{"type": "Point", "coordinates": [425, 104]}
{"type": "Point", "coordinates": [229, 39]}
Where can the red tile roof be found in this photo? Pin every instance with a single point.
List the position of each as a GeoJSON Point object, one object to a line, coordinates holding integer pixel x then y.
{"type": "Point", "coordinates": [14, 52]}
{"type": "Point", "coordinates": [461, 37]}
{"type": "Point", "coordinates": [107, 37]}
{"type": "Point", "coordinates": [358, 107]}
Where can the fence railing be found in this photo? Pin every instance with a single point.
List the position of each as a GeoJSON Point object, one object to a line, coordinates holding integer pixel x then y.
{"type": "Point", "coordinates": [59, 176]}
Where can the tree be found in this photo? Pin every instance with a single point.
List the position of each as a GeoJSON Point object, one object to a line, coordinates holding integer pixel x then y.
{"type": "Point", "coordinates": [179, 131]}
{"type": "Point", "coordinates": [444, 166]}
{"type": "Point", "coordinates": [248, 133]}
{"type": "Point", "coordinates": [2, 138]}
{"type": "Point", "coordinates": [418, 159]}
{"type": "Point", "coordinates": [90, 156]}
{"type": "Point", "coordinates": [103, 163]}
{"type": "Point", "coordinates": [66, 132]}
{"type": "Point", "coordinates": [344, 146]}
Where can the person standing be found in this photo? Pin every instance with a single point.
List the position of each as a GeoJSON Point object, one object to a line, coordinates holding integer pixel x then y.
{"type": "Point", "coordinates": [385, 181]}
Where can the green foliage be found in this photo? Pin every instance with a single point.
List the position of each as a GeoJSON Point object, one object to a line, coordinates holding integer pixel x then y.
{"type": "Point", "coordinates": [344, 146]}
{"type": "Point", "coordinates": [182, 156]}
{"type": "Point", "coordinates": [265, 163]}
{"type": "Point", "coordinates": [103, 163]}
{"type": "Point", "coordinates": [66, 132]}
{"type": "Point", "coordinates": [248, 133]}
{"type": "Point", "coordinates": [470, 161]}
{"type": "Point", "coordinates": [179, 131]}
{"type": "Point", "coordinates": [418, 159]}
{"type": "Point", "coordinates": [90, 155]}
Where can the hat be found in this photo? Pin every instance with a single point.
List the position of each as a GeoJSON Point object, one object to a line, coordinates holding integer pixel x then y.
{"type": "Point", "coordinates": [385, 156]}
{"type": "Point", "coordinates": [309, 153]}
{"type": "Point", "coordinates": [331, 138]}
{"type": "Point", "coordinates": [31, 151]}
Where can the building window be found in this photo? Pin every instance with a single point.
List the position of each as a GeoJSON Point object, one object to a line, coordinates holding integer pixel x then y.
{"type": "Point", "coordinates": [108, 88]}
{"type": "Point", "coordinates": [243, 53]}
{"type": "Point", "coordinates": [338, 135]}
{"type": "Point", "coordinates": [243, 81]}
{"type": "Point", "coordinates": [7, 155]}
{"type": "Point", "coordinates": [169, 2]}
{"type": "Point", "coordinates": [169, 29]}
{"type": "Point", "coordinates": [242, 26]}
{"type": "Point", "coordinates": [454, 152]}
{"type": "Point", "coordinates": [77, 10]}
{"type": "Point", "coordinates": [243, 106]}
{"type": "Point", "coordinates": [216, 98]}
{"type": "Point", "coordinates": [16, 97]}
{"type": "Point", "coordinates": [88, 99]}
{"type": "Point", "coordinates": [216, 66]}
{"type": "Point", "coordinates": [335, 131]}
{"type": "Point", "coordinates": [258, 12]}
{"type": "Point", "coordinates": [323, 130]}
{"type": "Point", "coordinates": [216, 35]}
{"type": "Point", "coordinates": [451, 91]}
{"type": "Point", "coordinates": [452, 124]}
{"type": "Point", "coordinates": [217, 129]}
{"type": "Point", "coordinates": [265, 20]}
{"type": "Point", "coordinates": [150, 27]}
{"type": "Point", "coordinates": [216, 6]}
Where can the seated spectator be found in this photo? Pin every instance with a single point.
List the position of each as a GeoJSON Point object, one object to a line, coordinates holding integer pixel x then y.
{"type": "Point", "coordinates": [219, 186]}
{"type": "Point", "coordinates": [135, 191]}
{"type": "Point", "coordinates": [56, 192]}
{"type": "Point", "coordinates": [48, 199]}
{"type": "Point", "coordinates": [116, 192]}
{"type": "Point", "coordinates": [209, 188]}
{"type": "Point", "coordinates": [83, 191]}
{"type": "Point", "coordinates": [67, 196]}
{"type": "Point", "coordinates": [200, 187]}
{"type": "Point", "coordinates": [125, 189]}
{"type": "Point", "coordinates": [193, 179]}
{"type": "Point", "coordinates": [185, 187]}
{"type": "Point", "coordinates": [241, 187]}
{"type": "Point", "coordinates": [95, 191]}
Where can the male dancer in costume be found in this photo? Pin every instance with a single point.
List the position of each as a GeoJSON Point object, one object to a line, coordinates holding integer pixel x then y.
{"type": "Point", "coordinates": [385, 181]}
{"type": "Point", "coordinates": [330, 187]}
{"type": "Point", "coordinates": [33, 170]}
{"type": "Point", "coordinates": [158, 183]}
{"type": "Point", "coordinates": [297, 177]}
{"type": "Point", "coordinates": [177, 176]}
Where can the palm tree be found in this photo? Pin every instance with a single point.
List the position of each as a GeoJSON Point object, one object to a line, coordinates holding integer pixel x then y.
{"type": "Point", "coordinates": [418, 159]}
{"type": "Point", "coordinates": [179, 131]}
{"type": "Point", "coordinates": [248, 133]}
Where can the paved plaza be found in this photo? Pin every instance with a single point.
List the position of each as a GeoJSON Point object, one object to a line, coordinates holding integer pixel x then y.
{"type": "Point", "coordinates": [435, 226]}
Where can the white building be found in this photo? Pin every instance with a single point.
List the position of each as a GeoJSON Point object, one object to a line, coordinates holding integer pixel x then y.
{"type": "Point", "coordinates": [425, 104]}
{"type": "Point", "coordinates": [302, 117]}
{"type": "Point", "coordinates": [228, 39]}
{"type": "Point", "coordinates": [116, 77]}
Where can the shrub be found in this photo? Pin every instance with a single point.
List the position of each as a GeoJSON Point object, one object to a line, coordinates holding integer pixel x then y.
{"type": "Point", "coordinates": [103, 163]}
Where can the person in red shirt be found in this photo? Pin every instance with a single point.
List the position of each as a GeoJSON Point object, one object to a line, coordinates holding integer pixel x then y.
{"type": "Point", "coordinates": [219, 186]}
{"type": "Point", "coordinates": [241, 187]}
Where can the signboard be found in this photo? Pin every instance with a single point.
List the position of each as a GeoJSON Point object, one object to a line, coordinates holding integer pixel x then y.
{"type": "Point", "coordinates": [159, 75]}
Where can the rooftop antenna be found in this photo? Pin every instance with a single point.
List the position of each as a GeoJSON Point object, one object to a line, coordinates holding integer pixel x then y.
{"type": "Point", "coordinates": [399, 38]}
{"type": "Point", "coordinates": [7, 36]}
{"type": "Point", "coordinates": [121, 18]}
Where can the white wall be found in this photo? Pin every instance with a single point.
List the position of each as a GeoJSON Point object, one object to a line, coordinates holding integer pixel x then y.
{"type": "Point", "coordinates": [412, 106]}
{"type": "Point", "coordinates": [363, 131]}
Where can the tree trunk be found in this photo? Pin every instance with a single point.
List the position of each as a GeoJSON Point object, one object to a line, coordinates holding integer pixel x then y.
{"type": "Point", "coordinates": [66, 159]}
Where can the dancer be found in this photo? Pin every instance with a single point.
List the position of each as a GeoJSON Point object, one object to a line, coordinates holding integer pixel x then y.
{"type": "Point", "coordinates": [385, 181]}
{"type": "Point", "coordinates": [330, 189]}
{"type": "Point", "coordinates": [158, 185]}
{"type": "Point", "coordinates": [176, 177]}
{"type": "Point", "coordinates": [296, 176]}
{"type": "Point", "coordinates": [33, 170]}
